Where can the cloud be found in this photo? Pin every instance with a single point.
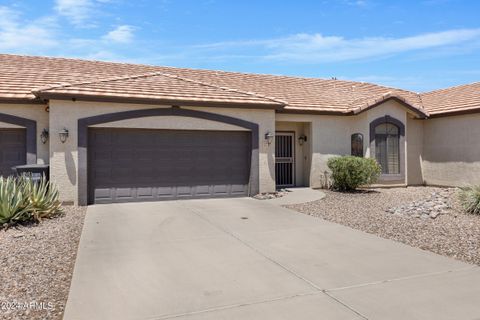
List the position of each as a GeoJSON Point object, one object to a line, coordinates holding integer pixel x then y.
{"type": "Point", "coordinates": [358, 3]}
{"type": "Point", "coordinates": [317, 48]}
{"type": "Point", "coordinates": [43, 36]}
{"type": "Point", "coordinates": [121, 34]}
{"type": "Point", "coordinates": [79, 12]}
{"type": "Point", "coordinates": [23, 36]}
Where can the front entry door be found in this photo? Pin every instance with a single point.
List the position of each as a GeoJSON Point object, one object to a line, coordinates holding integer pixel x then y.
{"type": "Point", "coordinates": [285, 159]}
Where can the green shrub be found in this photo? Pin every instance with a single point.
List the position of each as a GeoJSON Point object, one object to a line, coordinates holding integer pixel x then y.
{"type": "Point", "coordinates": [42, 196]}
{"type": "Point", "coordinates": [14, 204]}
{"type": "Point", "coordinates": [22, 200]}
{"type": "Point", "coordinates": [349, 172]}
{"type": "Point", "coordinates": [470, 199]}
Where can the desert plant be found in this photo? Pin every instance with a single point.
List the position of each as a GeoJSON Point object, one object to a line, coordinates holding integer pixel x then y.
{"type": "Point", "coordinates": [470, 199]}
{"type": "Point", "coordinates": [349, 172]}
{"type": "Point", "coordinates": [42, 197]}
{"type": "Point", "coordinates": [14, 204]}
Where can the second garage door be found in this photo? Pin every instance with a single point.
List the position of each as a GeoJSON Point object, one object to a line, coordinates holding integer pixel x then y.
{"type": "Point", "coordinates": [141, 165]}
{"type": "Point", "coordinates": [13, 150]}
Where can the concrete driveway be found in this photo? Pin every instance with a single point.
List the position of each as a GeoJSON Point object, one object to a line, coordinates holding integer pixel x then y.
{"type": "Point", "coordinates": [250, 259]}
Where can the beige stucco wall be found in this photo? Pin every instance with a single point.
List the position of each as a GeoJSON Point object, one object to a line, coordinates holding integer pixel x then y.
{"type": "Point", "coordinates": [170, 123]}
{"type": "Point", "coordinates": [414, 151]}
{"type": "Point", "coordinates": [35, 112]}
{"type": "Point", "coordinates": [451, 154]}
{"type": "Point", "coordinates": [69, 168]}
{"type": "Point", "coordinates": [330, 136]}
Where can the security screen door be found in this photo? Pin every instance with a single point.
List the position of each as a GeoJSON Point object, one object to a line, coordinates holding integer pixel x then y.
{"type": "Point", "coordinates": [285, 159]}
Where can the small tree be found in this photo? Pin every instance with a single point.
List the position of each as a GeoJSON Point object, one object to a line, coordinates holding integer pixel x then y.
{"type": "Point", "coordinates": [349, 172]}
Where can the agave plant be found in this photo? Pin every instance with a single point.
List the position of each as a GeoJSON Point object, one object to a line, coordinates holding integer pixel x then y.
{"type": "Point", "coordinates": [42, 197]}
{"type": "Point", "coordinates": [14, 203]}
{"type": "Point", "coordinates": [470, 199]}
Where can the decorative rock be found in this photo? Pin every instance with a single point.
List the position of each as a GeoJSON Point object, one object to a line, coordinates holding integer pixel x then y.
{"type": "Point", "coordinates": [435, 214]}
{"type": "Point", "coordinates": [270, 195]}
{"type": "Point", "coordinates": [431, 207]}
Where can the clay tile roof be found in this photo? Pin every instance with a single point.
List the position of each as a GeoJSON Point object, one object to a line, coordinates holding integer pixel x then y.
{"type": "Point", "coordinates": [303, 94]}
{"type": "Point", "coordinates": [154, 86]}
{"type": "Point", "coordinates": [452, 100]}
{"type": "Point", "coordinates": [27, 78]}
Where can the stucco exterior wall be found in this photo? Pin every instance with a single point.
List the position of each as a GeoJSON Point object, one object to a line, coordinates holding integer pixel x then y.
{"type": "Point", "coordinates": [451, 153]}
{"type": "Point", "coordinates": [35, 112]}
{"type": "Point", "coordinates": [69, 168]}
{"type": "Point", "coordinates": [414, 151]}
{"type": "Point", "coordinates": [330, 136]}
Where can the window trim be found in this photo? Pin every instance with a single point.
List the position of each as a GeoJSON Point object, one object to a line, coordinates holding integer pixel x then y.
{"type": "Point", "coordinates": [386, 119]}
{"type": "Point", "coordinates": [389, 119]}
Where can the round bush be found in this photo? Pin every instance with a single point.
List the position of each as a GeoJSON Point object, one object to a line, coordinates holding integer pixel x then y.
{"type": "Point", "coordinates": [349, 172]}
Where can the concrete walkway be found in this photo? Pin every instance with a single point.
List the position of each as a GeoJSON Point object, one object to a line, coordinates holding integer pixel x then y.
{"type": "Point", "coordinates": [248, 259]}
{"type": "Point", "coordinates": [297, 195]}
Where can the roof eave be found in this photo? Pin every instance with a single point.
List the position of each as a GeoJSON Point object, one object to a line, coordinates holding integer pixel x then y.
{"type": "Point", "coordinates": [141, 100]}
{"type": "Point", "coordinates": [310, 111]}
{"type": "Point", "coordinates": [451, 113]}
{"type": "Point", "coordinates": [14, 100]}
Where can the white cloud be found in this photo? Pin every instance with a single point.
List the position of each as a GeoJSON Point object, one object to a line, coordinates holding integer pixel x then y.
{"type": "Point", "coordinates": [358, 3]}
{"type": "Point", "coordinates": [319, 48]}
{"type": "Point", "coordinates": [121, 34]}
{"type": "Point", "coordinates": [43, 36]}
{"type": "Point", "coordinates": [80, 12]}
{"type": "Point", "coordinates": [25, 36]}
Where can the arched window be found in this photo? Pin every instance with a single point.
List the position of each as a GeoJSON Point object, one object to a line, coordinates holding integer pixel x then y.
{"type": "Point", "coordinates": [387, 147]}
{"type": "Point", "coordinates": [357, 145]}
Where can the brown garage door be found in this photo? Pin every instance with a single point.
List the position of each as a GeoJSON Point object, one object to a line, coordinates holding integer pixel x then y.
{"type": "Point", "coordinates": [13, 150]}
{"type": "Point", "coordinates": [142, 165]}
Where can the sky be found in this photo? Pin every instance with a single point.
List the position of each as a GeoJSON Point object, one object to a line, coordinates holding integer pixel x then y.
{"type": "Point", "coordinates": [416, 45]}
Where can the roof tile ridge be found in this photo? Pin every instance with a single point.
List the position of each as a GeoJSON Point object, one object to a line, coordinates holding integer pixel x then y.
{"type": "Point", "coordinates": [254, 94]}
{"type": "Point", "coordinates": [375, 98]}
{"type": "Point", "coordinates": [109, 79]}
{"type": "Point", "coordinates": [422, 104]}
{"type": "Point", "coordinates": [369, 101]}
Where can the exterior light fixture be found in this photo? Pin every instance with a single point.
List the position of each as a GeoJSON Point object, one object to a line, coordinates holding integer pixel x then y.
{"type": "Point", "coordinates": [44, 135]}
{"type": "Point", "coordinates": [63, 134]}
{"type": "Point", "coordinates": [269, 137]}
{"type": "Point", "coordinates": [302, 139]}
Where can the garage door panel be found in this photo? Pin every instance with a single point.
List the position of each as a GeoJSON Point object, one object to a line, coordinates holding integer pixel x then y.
{"type": "Point", "coordinates": [238, 189]}
{"type": "Point", "coordinates": [103, 193]}
{"type": "Point", "coordinates": [141, 164]}
{"type": "Point", "coordinates": [145, 192]}
{"type": "Point", "coordinates": [221, 189]}
{"type": "Point", "coordinates": [165, 192]}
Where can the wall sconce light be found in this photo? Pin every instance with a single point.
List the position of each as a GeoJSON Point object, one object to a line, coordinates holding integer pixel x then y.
{"type": "Point", "coordinates": [44, 135]}
{"type": "Point", "coordinates": [302, 139]}
{"type": "Point", "coordinates": [63, 134]}
{"type": "Point", "coordinates": [269, 137]}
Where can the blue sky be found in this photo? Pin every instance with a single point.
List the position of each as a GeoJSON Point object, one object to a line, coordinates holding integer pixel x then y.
{"type": "Point", "coordinates": [417, 45]}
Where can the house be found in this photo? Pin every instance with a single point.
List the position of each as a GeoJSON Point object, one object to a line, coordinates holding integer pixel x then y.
{"type": "Point", "coordinates": [115, 132]}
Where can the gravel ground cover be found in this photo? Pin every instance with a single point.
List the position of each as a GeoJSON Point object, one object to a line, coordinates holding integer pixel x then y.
{"type": "Point", "coordinates": [36, 265]}
{"type": "Point", "coordinates": [453, 233]}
